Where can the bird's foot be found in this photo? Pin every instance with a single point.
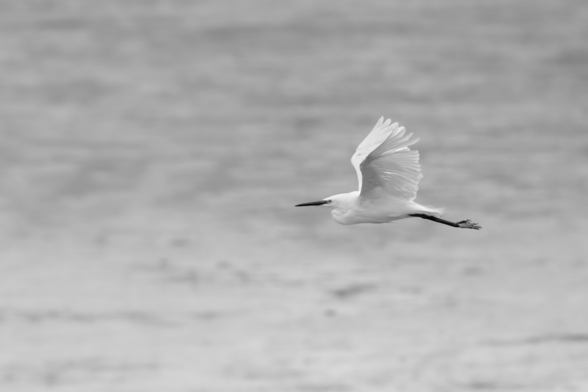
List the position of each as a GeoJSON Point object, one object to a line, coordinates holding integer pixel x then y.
{"type": "Point", "coordinates": [468, 224]}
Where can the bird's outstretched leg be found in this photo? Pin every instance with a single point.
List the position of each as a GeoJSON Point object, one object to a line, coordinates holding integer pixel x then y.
{"type": "Point", "coordinates": [464, 224]}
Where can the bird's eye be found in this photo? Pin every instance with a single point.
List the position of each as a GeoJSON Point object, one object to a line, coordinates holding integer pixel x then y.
{"type": "Point", "coordinates": [329, 201]}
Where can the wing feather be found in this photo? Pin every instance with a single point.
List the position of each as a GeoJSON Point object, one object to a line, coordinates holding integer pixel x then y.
{"type": "Point", "coordinates": [384, 162]}
{"type": "Point", "coordinates": [381, 131]}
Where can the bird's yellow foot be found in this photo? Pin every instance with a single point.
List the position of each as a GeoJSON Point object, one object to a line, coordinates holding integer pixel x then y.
{"type": "Point", "coordinates": [468, 224]}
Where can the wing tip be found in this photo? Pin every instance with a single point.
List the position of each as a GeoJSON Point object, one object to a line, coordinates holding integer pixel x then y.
{"type": "Point", "coordinates": [379, 122]}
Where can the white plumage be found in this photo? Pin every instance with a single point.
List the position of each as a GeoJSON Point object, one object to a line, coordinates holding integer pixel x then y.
{"type": "Point", "coordinates": [388, 173]}
{"type": "Point", "coordinates": [383, 160]}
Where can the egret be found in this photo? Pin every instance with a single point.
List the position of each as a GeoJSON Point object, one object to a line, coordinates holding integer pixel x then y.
{"type": "Point", "coordinates": [388, 173]}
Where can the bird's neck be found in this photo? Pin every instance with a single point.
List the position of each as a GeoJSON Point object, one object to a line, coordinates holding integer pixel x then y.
{"type": "Point", "coordinates": [347, 200]}
{"type": "Point", "coordinates": [345, 208]}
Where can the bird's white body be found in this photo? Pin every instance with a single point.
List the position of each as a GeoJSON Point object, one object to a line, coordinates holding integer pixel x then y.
{"type": "Point", "coordinates": [351, 208]}
{"type": "Point", "coordinates": [388, 173]}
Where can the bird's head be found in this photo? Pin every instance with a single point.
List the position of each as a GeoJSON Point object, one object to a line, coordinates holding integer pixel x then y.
{"type": "Point", "coordinates": [335, 201]}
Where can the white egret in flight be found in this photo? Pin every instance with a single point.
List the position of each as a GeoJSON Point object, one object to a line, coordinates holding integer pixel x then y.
{"type": "Point", "coordinates": [389, 174]}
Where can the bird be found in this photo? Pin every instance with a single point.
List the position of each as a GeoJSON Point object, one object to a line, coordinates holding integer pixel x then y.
{"type": "Point", "coordinates": [388, 173]}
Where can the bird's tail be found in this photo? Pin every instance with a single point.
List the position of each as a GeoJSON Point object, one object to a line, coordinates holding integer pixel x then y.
{"type": "Point", "coordinates": [435, 211]}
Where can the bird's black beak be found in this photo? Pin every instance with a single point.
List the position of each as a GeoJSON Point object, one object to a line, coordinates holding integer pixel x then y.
{"type": "Point", "coordinates": [312, 203]}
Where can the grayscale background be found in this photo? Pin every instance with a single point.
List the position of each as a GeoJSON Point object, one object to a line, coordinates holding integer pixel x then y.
{"type": "Point", "coordinates": [152, 151]}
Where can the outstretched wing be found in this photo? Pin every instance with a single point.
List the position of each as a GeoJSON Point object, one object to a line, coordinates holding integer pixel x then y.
{"type": "Point", "coordinates": [380, 132]}
{"type": "Point", "coordinates": [384, 163]}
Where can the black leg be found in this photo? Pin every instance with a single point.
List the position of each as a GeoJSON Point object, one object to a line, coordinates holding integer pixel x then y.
{"type": "Point", "coordinates": [465, 224]}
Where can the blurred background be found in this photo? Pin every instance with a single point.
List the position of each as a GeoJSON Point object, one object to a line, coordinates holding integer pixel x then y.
{"type": "Point", "coordinates": [152, 152]}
